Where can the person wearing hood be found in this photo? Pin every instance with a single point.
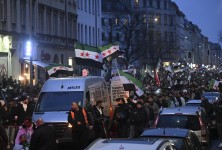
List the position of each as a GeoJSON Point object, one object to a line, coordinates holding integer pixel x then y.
{"type": "Point", "coordinates": [80, 120]}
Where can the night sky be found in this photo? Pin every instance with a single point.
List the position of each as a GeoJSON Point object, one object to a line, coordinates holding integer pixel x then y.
{"type": "Point", "coordinates": [207, 14]}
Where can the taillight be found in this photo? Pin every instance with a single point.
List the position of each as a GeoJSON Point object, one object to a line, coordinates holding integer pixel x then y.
{"type": "Point", "coordinates": [203, 129]}
{"type": "Point", "coordinates": [155, 122]}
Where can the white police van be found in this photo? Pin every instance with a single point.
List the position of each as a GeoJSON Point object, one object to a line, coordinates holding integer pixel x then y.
{"type": "Point", "coordinates": [57, 95]}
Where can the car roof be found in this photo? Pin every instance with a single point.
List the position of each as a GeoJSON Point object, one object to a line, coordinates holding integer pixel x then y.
{"type": "Point", "coordinates": [129, 144]}
{"type": "Point", "coordinates": [166, 132]}
{"type": "Point", "coordinates": [195, 101]}
{"type": "Point", "coordinates": [189, 110]}
{"type": "Point", "coordinates": [211, 93]}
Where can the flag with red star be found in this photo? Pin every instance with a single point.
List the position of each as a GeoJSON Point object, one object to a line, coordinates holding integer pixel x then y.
{"type": "Point", "coordinates": [88, 56]}
{"type": "Point", "coordinates": [88, 52]}
{"type": "Point", "coordinates": [110, 52]}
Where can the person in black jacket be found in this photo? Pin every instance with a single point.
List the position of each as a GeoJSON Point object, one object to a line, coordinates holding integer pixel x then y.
{"type": "Point", "coordinates": [24, 109]}
{"type": "Point", "coordinates": [139, 118]}
{"type": "Point", "coordinates": [99, 125]}
{"type": "Point", "coordinates": [3, 138]}
{"type": "Point", "coordinates": [121, 118]}
{"type": "Point", "coordinates": [43, 137]}
{"type": "Point", "coordinates": [81, 122]}
{"type": "Point", "coordinates": [218, 111]}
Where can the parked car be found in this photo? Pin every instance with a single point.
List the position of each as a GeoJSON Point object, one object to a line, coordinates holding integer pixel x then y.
{"type": "Point", "coordinates": [183, 139]}
{"type": "Point", "coordinates": [192, 118]}
{"type": "Point", "coordinates": [131, 144]}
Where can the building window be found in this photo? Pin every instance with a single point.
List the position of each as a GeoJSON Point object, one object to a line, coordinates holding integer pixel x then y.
{"type": "Point", "coordinates": [117, 37]}
{"type": "Point", "coordinates": [171, 20]}
{"type": "Point", "coordinates": [144, 18]}
{"type": "Point", "coordinates": [171, 36]}
{"type": "Point", "coordinates": [165, 19]}
{"type": "Point", "coordinates": [41, 19]}
{"type": "Point", "coordinates": [151, 18]}
{"type": "Point", "coordinates": [49, 21]}
{"type": "Point", "coordinates": [85, 5]}
{"type": "Point", "coordinates": [78, 3]}
{"type": "Point", "coordinates": [165, 36]}
{"type": "Point", "coordinates": [23, 12]}
{"type": "Point", "coordinates": [151, 3]}
{"type": "Point", "coordinates": [165, 5]}
{"type": "Point", "coordinates": [103, 22]}
{"type": "Point", "coordinates": [90, 6]}
{"type": "Point", "coordinates": [117, 21]}
{"type": "Point", "coordinates": [158, 4]}
{"type": "Point", "coordinates": [158, 19]}
{"type": "Point", "coordinates": [103, 36]}
{"type": "Point", "coordinates": [62, 24]}
{"type": "Point", "coordinates": [70, 61]}
{"type": "Point", "coordinates": [90, 36]}
{"type": "Point", "coordinates": [81, 33]}
{"type": "Point", "coordinates": [86, 35]}
{"type": "Point", "coordinates": [13, 11]}
{"type": "Point", "coordinates": [78, 30]}
{"type": "Point", "coordinates": [55, 23]}
{"type": "Point", "coordinates": [144, 3]}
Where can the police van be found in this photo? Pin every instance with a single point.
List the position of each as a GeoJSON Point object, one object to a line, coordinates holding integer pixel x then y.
{"type": "Point", "coordinates": [57, 95]}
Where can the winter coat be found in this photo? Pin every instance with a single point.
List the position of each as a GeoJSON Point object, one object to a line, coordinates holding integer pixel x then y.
{"type": "Point", "coordinates": [43, 138]}
{"type": "Point", "coordinates": [22, 114]}
{"type": "Point", "coordinates": [121, 114]}
{"type": "Point", "coordinates": [3, 138]}
{"type": "Point", "coordinates": [139, 117]}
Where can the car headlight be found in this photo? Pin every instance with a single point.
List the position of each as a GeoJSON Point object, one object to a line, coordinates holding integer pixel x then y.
{"type": "Point", "coordinates": [69, 125]}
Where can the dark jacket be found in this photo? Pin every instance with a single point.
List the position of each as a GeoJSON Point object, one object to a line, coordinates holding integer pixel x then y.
{"type": "Point", "coordinates": [43, 138]}
{"type": "Point", "coordinates": [79, 117]}
{"type": "Point", "coordinates": [3, 138]}
{"type": "Point", "coordinates": [96, 114]}
{"type": "Point", "coordinates": [23, 114]}
{"type": "Point", "coordinates": [218, 111]}
{"type": "Point", "coordinates": [139, 117]}
{"type": "Point", "coordinates": [121, 113]}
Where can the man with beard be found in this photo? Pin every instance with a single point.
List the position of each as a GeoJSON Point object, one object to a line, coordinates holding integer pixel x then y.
{"type": "Point", "coordinates": [43, 137]}
{"type": "Point", "coordinates": [81, 122]}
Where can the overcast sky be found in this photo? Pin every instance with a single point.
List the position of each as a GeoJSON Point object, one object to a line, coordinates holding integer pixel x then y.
{"type": "Point", "coordinates": [207, 14]}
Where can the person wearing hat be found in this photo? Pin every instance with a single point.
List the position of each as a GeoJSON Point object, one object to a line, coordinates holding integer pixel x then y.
{"type": "Point", "coordinates": [24, 109]}
{"type": "Point", "coordinates": [139, 118]}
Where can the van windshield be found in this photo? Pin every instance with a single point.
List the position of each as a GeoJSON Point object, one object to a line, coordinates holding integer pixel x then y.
{"type": "Point", "coordinates": [58, 101]}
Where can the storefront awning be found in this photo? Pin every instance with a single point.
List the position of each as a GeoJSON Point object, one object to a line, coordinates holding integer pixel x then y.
{"type": "Point", "coordinates": [38, 63]}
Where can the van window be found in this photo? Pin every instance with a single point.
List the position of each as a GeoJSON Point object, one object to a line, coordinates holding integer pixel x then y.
{"type": "Point", "coordinates": [179, 121]}
{"type": "Point", "coordinates": [58, 101]}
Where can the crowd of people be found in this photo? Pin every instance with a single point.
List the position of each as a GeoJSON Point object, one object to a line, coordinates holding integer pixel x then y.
{"type": "Point", "coordinates": [131, 116]}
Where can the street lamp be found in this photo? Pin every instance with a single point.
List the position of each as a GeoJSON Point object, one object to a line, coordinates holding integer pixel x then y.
{"type": "Point", "coordinates": [28, 53]}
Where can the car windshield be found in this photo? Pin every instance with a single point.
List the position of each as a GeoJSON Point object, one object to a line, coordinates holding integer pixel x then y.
{"type": "Point", "coordinates": [211, 94]}
{"type": "Point", "coordinates": [193, 104]}
{"type": "Point", "coordinates": [190, 122]}
{"type": "Point", "coordinates": [179, 143]}
{"type": "Point", "coordinates": [58, 101]}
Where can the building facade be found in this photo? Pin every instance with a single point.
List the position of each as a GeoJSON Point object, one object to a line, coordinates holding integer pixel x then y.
{"type": "Point", "coordinates": [49, 26]}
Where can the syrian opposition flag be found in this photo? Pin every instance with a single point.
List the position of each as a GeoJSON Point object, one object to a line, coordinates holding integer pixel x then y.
{"type": "Point", "coordinates": [88, 52]}
{"type": "Point", "coordinates": [56, 69]}
{"type": "Point", "coordinates": [110, 52]}
{"type": "Point", "coordinates": [137, 83]}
